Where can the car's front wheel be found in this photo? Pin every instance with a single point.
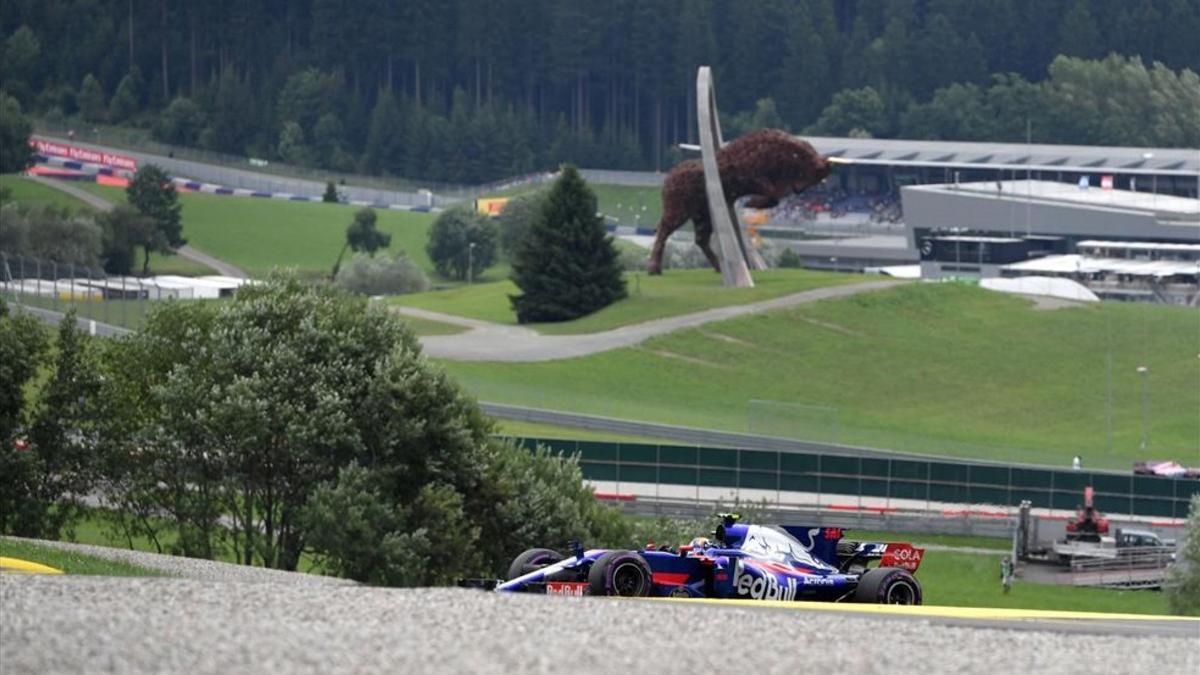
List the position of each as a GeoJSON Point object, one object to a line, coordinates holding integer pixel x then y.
{"type": "Point", "coordinates": [621, 573]}
{"type": "Point", "coordinates": [532, 560]}
{"type": "Point", "coordinates": [888, 586]}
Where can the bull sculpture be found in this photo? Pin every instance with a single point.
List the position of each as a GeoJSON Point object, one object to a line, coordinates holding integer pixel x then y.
{"type": "Point", "coordinates": [765, 165]}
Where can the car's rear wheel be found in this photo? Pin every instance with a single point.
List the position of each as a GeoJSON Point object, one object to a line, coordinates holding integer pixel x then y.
{"type": "Point", "coordinates": [532, 560]}
{"type": "Point", "coordinates": [620, 573]}
{"type": "Point", "coordinates": [888, 586]}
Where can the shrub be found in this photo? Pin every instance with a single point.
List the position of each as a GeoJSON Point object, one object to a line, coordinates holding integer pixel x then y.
{"type": "Point", "coordinates": [331, 195]}
{"type": "Point", "coordinates": [683, 256]}
{"type": "Point", "coordinates": [450, 240]}
{"type": "Point", "coordinates": [52, 234]}
{"type": "Point", "coordinates": [1183, 588]}
{"type": "Point", "coordinates": [382, 275]}
{"type": "Point", "coordinates": [788, 259]}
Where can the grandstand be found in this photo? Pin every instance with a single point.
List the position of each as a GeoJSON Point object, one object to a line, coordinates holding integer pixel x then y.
{"type": "Point", "coordinates": [1119, 244]}
{"type": "Point", "coordinates": [875, 211]}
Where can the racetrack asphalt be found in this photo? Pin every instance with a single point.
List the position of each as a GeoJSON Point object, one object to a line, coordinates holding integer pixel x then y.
{"type": "Point", "coordinates": [217, 619]}
{"type": "Point", "coordinates": [487, 341]}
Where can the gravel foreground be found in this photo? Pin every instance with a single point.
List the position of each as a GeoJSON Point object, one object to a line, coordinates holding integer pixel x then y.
{"type": "Point", "coordinates": [145, 625]}
{"type": "Point", "coordinates": [192, 568]}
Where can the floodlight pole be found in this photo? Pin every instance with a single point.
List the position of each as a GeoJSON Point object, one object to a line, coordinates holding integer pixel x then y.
{"type": "Point", "coordinates": [1144, 371]}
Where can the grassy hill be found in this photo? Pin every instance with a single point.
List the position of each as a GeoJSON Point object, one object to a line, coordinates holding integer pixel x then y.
{"type": "Point", "coordinates": [650, 297]}
{"type": "Point", "coordinates": [947, 369]}
{"type": "Point", "coordinates": [24, 191]}
{"type": "Point", "coordinates": [258, 234]}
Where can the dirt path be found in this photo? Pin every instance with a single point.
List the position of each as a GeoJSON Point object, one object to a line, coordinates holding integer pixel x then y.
{"type": "Point", "coordinates": [101, 204]}
{"type": "Point", "coordinates": [497, 342]}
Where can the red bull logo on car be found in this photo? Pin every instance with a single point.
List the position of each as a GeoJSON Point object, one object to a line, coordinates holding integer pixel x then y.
{"type": "Point", "coordinates": [765, 587]}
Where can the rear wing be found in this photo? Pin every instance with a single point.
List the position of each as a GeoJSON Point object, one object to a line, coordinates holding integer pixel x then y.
{"type": "Point", "coordinates": [827, 544]}
{"type": "Point", "coordinates": [890, 554]}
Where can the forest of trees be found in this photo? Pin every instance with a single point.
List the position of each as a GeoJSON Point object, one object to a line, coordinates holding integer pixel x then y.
{"type": "Point", "coordinates": [468, 90]}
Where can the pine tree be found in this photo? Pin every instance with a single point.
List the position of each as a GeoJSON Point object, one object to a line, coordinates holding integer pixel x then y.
{"type": "Point", "coordinates": [91, 99]}
{"type": "Point", "coordinates": [567, 265]}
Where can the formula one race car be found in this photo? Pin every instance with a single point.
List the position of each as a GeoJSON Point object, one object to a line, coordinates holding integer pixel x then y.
{"type": "Point", "coordinates": [758, 562]}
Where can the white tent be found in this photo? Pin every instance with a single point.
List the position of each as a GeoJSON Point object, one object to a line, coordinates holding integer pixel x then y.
{"type": "Point", "coordinates": [1047, 286]}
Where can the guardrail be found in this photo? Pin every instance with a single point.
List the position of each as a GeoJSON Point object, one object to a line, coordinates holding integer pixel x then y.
{"type": "Point", "coordinates": [907, 481]}
{"type": "Point", "coordinates": [1143, 567]}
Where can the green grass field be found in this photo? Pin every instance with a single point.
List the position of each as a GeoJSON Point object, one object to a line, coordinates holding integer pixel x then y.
{"type": "Point", "coordinates": [630, 205]}
{"type": "Point", "coordinates": [70, 562]}
{"type": "Point", "coordinates": [971, 580]}
{"type": "Point", "coordinates": [428, 327]}
{"type": "Point", "coordinates": [25, 191]}
{"type": "Point", "coordinates": [125, 313]}
{"type": "Point", "coordinates": [260, 234]}
{"type": "Point", "coordinates": [958, 579]}
{"type": "Point", "coordinates": [518, 429]}
{"type": "Point", "coordinates": [937, 368]}
{"type": "Point", "coordinates": [650, 297]}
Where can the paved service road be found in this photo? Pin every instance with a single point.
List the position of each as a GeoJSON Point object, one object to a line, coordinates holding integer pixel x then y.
{"type": "Point", "coordinates": [496, 342]}
{"type": "Point", "coordinates": [101, 204]}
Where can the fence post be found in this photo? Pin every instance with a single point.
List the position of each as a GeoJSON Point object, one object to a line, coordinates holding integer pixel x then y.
{"type": "Point", "coordinates": [54, 282]}
{"type": "Point", "coordinates": [820, 473]}
{"type": "Point", "coordinates": [618, 462]}
{"type": "Point", "coordinates": [859, 490]}
{"type": "Point", "coordinates": [657, 479]}
{"type": "Point", "coordinates": [778, 480]}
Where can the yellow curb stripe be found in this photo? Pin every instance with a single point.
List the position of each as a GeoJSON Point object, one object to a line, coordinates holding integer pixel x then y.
{"type": "Point", "coordinates": [26, 567]}
{"type": "Point", "coordinates": [992, 613]}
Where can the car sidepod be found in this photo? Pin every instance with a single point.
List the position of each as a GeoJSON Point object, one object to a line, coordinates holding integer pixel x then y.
{"type": "Point", "coordinates": [755, 579]}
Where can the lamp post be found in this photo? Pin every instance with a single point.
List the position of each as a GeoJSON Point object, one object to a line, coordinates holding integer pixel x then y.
{"type": "Point", "coordinates": [1153, 179]}
{"type": "Point", "coordinates": [470, 263]}
{"type": "Point", "coordinates": [1144, 371]}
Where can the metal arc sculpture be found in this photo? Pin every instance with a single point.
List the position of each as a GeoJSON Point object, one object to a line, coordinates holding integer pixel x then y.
{"type": "Point", "coordinates": [738, 257]}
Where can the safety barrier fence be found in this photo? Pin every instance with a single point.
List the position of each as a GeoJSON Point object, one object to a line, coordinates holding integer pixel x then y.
{"type": "Point", "coordinates": [910, 480]}
{"type": "Point", "coordinates": [1138, 568]}
{"type": "Point", "coordinates": [58, 287]}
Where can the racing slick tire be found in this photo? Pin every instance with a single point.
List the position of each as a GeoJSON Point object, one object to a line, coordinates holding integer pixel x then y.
{"type": "Point", "coordinates": [888, 586]}
{"type": "Point", "coordinates": [620, 573]}
{"type": "Point", "coordinates": [531, 560]}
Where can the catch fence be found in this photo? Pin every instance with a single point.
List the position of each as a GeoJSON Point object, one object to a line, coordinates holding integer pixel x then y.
{"type": "Point", "coordinates": [752, 475]}
{"type": "Point", "coordinates": [122, 301]}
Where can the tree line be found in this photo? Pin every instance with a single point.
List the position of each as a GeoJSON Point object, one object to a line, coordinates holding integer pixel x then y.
{"type": "Point", "coordinates": [469, 90]}
{"type": "Point", "coordinates": [196, 436]}
{"type": "Point", "coordinates": [150, 221]}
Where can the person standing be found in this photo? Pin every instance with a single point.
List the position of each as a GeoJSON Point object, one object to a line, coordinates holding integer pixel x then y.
{"type": "Point", "coordinates": [1006, 573]}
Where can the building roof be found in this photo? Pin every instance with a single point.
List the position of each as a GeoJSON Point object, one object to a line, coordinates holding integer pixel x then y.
{"type": "Point", "coordinates": [1069, 194]}
{"type": "Point", "coordinates": [1073, 263]}
{"type": "Point", "coordinates": [1138, 245]}
{"type": "Point", "coordinates": [1092, 159]}
{"type": "Point", "coordinates": [980, 240]}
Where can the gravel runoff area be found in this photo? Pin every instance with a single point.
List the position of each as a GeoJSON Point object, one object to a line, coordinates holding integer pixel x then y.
{"type": "Point", "coordinates": [138, 625]}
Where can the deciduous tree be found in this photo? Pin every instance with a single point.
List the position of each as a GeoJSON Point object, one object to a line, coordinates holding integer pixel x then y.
{"type": "Point", "coordinates": [153, 194]}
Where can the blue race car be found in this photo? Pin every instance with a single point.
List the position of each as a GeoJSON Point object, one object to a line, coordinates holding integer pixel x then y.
{"type": "Point", "coordinates": [761, 562]}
